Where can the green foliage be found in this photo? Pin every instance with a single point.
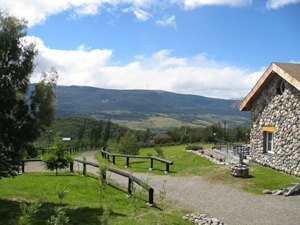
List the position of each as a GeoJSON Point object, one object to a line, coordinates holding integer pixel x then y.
{"type": "Point", "coordinates": [208, 134]}
{"type": "Point", "coordinates": [128, 144]}
{"type": "Point", "coordinates": [28, 212]}
{"type": "Point", "coordinates": [59, 218]}
{"type": "Point", "coordinates": [162, 138]}
{"type": "Point", "coordinates": [193, 147]}
{"type": "Point", "coordinates": [159, 152]}
{"type": "Point", "coordinates": [81, 205]}
{"type": "Point", "coordinates": [84, 131]}
{"type": "Point", "coordinates": [162, 198]}
{"type": "Point", "coordinates": [102, 181]}
{"type": "Point", "coordinates": [24, 113]}
{"type": "Point", "coordinates": [61, 192]}
{"type": "Point", "coordinates": [56, 156]}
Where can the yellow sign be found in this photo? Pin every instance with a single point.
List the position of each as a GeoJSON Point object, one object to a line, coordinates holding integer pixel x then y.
{"type": "Point", "coordinates": [269, 128]}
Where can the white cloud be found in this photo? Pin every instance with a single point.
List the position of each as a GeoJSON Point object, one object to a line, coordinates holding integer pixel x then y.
{"type": "Point", "coordinates": [37, 11]}
{"type": "Point", "coordinates": [190, 4]}
{"type": "Point", "coordinates": [159, 71]}
{"type": "Point", "coordinates": [139, 13]}
{"type": "Point", "coordinates": [77, 67]}
{"type": "Point", "coordinates": [169, 21]}
{"type": "Point", "coordinates": [275, 4]}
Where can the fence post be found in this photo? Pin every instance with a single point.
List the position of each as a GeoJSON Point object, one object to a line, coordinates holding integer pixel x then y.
{"type": "Point", "coordinates": [167, 168]}
{"type": "Point", "coordinates": [114, 160]}
{"type": "Point", "coordinates": [151, 195]}
{"type": "Point", "coordinates": [151, 164]}
{"type": "Point", "coordinates": [107, 158]}
{"type": "Point", "coordinates": [72, 166]}
{"type": "Point", "coordinates": [23, 167]}
{"type": "Point", "coordinates": [129, 190]}
{"type": "Point", "coordinates": [84, 169]}
{"type": "Point", "coordinates": [127, 162]}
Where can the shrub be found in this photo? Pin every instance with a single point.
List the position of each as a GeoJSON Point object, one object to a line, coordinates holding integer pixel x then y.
{"type": "Point", "coordinates": [128, 144]}
{"type": "Point", "coordinates": [194, 147]}
{"type": "Point", "coordinates": [59, 218]}
{"type": "Point", "coordinates": [57, 157]}
{"type": "Point", "coordinates": [159, 152]}
{"type": "Point", "coordinates": [162, 139]}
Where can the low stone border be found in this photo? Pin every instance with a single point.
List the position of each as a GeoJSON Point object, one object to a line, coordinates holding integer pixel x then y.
{"type": "Point", "coordinates": [213, 157]}
{"type": "Point", "coordinates": [202, 219]}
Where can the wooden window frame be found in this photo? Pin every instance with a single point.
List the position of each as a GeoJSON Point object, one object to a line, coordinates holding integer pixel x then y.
{"type": "Point", "coordinates": [268, 142]}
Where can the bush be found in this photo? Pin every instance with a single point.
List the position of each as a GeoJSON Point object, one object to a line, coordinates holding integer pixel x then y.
{"type": "Point", "coordinates": [162, 139]}
{"type": "Point", "coordinates": [159, 152]}
{"type": "Point", "coordinates": [194, 147]}
{"type": "Point", "coordinates": [128, 144]}
{"type": "Point", "coordinates": [57, 157]}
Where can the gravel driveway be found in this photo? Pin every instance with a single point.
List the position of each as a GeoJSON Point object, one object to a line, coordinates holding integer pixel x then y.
{"type": "Point", "coordinates": [230, 205]}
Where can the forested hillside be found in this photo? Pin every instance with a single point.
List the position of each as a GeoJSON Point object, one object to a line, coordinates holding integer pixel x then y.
{"type": "Point", "coordinates": [142, 109]}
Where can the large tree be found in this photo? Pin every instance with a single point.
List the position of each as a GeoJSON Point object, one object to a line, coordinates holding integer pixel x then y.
{"type": "Point", "coordinates": [24, 111]}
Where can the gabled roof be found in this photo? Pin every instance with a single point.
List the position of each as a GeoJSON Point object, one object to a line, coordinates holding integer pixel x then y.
{"type": "Point", "coordinates": [290, 72]}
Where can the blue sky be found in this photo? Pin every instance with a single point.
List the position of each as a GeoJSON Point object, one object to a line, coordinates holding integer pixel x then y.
{"type": "Point", "coordinates": [216, 48]}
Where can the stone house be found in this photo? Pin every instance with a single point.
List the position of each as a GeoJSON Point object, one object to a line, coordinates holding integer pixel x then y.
{"type": "Point", "coordinates": [274, 103]}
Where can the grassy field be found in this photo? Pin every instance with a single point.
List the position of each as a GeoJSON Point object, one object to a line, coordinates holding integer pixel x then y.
{"type": "Point", "coordinates": [189, 164]}
{"type": "Point", "coordinates": [185, 163]}
{"type": "Point", "coordinates": [82, 203]}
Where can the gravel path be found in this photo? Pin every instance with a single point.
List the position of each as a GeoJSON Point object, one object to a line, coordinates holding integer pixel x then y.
{"type": "Point", "coordinates": [232, 206]}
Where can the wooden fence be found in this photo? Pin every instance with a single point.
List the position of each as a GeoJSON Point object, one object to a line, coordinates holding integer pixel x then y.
{"type": "Point", "coordinates": [107, 155]}
{"type": "Point", "coordinates": [131, 179]}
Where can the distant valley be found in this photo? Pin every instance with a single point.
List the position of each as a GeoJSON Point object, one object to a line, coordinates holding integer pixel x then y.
{"type": "Point", "coordinates": [142, 109]}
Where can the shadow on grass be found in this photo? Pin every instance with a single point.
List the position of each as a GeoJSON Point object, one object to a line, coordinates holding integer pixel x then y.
{"type": "Point", "coordinates": [10, 213]}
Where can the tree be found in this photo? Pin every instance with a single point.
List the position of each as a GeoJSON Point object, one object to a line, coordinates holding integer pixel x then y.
{"type": "Point", "coordinates": [128, 144]}
{"type": "Point", "coordinates": [106, 131]}
{"type": "Point", "coordinates": [80, 133]}
{"type": "Point", "coordinates": [57, 157]}
{"type": "Point", "coordinates": [23, 113]}
{"type": "Point", "coordinates": [162, 139]}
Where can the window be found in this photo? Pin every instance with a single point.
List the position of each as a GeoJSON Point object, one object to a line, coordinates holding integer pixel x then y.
{"type": "Point", "coordinates": [268, 142]}
{"type": "Point", "coordinates": [281, 87]}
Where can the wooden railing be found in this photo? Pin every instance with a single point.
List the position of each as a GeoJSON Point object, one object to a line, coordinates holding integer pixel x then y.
{"type": "Point", "coordinates": [130, 177]}
{"type": "Point", "coordinates": [107, 155]}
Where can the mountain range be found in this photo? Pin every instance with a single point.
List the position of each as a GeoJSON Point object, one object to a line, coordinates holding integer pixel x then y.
{"type": "Point", "coordinates": [141, 109]}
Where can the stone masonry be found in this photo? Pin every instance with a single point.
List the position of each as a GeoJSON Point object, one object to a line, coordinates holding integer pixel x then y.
{"type": "Point", "coordinates": [281, 110]}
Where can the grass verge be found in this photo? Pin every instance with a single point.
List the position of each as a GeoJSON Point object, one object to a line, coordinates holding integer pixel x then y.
{"type": "Point", "coordinates": [82, 203]}
{"type": "Point", "coordinates": [188, 164]}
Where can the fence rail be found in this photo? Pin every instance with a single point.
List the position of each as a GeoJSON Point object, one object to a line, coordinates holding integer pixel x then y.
{"type": "Point", "coordinates": [107, 155]}
{"type": "Point", "coordinates": [130, 177]}
{"type": "Point", "coordinates": [234, 148]}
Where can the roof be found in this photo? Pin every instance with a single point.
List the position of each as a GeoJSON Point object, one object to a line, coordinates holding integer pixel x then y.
{"type": "Point", "coordinates": [288, 71]}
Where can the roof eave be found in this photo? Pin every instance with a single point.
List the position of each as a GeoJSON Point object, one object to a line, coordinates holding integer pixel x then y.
{"type": "Point", "coordinates": [247, 103]}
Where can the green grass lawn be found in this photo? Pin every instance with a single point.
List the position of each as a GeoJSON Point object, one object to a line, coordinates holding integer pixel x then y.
{"type": "Point", "coordinates": [188, 164]}
{"type": "Point", "coordinates": [184, 162]}
{"type": "Point", "coordinates": [82, 203]}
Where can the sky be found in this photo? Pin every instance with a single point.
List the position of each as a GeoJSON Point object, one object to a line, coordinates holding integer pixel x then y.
{"type": "Point", "coordinates": [214, 48]}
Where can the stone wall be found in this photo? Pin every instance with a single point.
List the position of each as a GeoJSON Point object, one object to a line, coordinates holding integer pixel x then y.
{"type": "Point", "coordinates": [283, 112]}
